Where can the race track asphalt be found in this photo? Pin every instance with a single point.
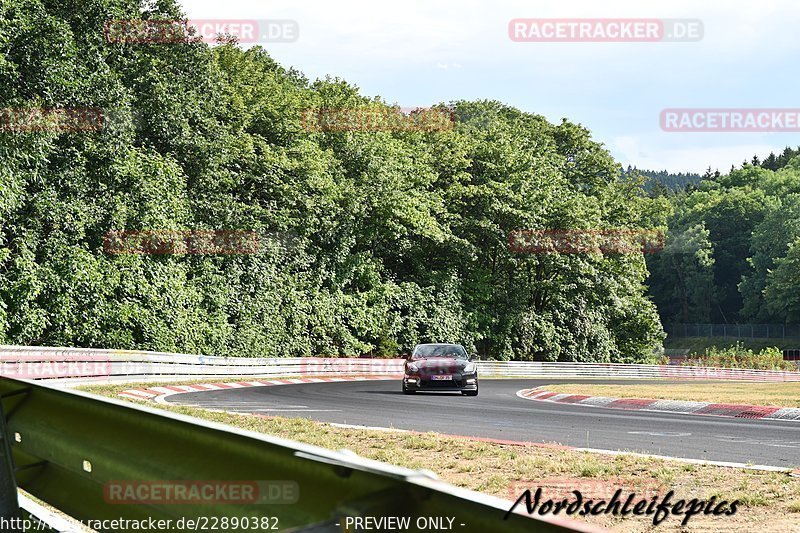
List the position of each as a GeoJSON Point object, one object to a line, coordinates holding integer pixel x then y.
{"type": "Point", "coordinates": [498, 413]}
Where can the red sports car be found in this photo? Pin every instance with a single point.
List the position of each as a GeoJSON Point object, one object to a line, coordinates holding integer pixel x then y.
{"type": "Point", "coordinates": [440, 367]}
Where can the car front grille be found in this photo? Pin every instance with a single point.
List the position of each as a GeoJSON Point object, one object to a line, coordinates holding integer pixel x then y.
{"type": "Point", "coordinates": [447, 384]}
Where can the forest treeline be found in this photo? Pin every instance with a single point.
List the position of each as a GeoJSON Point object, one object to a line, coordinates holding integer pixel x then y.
{"type": "Point", "coordinates": [732, 251]}
{"type": "Point", "coordinates": [663, 181]}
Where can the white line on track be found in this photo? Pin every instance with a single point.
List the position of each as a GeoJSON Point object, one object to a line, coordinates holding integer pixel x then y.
{"type": "Point", "coordinates": [756, 442]}
{"type": "Point", "coordinates": [297, 410]}
{"type": "Point", "coordinates": [262, 406]}
{"type": "Point", "coordinates": [374, 428]}
{"type": "Point", "coordinates": [255, 404]}
{"type": "Point", "coordinates": [687, 460]}
{"type": "Point", "coordinates": [659, 434]}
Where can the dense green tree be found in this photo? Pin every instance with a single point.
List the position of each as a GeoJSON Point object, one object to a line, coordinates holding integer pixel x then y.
{"type": "Point", "coordinates": [368, 241]}
{"type": "Point", "coordinates": [770, 242]}
{"type": "Point", "coordinates": [683, 277]}
{"type": "Point", "coordinates": [782, 292]}
{"type": "Point", "coordinates": [751, 218]}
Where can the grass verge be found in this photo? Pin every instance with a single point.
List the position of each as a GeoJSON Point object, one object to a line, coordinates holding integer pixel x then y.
{"type": "Point", "coordinates": [771, 394]}
{"type": "Point", "coordinates": [769, 500]}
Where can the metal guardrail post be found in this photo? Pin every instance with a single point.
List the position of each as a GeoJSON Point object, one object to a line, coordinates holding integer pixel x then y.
{"type": "Point", "coordinates": [9, 501]}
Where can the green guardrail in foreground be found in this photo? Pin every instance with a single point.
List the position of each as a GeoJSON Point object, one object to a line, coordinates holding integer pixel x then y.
{"type": "Point", "coordinates": [88, 456]}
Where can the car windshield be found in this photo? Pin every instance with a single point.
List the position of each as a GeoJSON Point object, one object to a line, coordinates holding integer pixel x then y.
{"type": "Point", "coordinates": [440, 350]}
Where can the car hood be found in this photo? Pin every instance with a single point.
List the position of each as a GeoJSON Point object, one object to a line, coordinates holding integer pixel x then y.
{"type": "Point", "coordinates": [440, 365]}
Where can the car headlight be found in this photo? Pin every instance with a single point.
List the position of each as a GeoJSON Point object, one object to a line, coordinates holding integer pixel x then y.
{"type": "Point", "coordinates": [470, 368]}
{"type": "Point", "coordinates": [412, 367]}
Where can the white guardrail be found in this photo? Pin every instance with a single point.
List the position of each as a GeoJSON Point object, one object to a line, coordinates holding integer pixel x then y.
{"type": "Point", "coordinates": [80, 365]}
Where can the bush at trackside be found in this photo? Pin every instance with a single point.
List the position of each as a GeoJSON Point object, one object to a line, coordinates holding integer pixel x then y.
{"type": "Point", "coordinates": [737, 356]}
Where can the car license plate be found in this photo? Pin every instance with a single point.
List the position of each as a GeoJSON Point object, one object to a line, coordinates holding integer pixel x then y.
{"type": "Point", "coordinates": [442, 378]}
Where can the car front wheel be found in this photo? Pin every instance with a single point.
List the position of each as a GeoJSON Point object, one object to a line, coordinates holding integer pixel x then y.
{"type": "Point", "coordinates": [406, 390]}
{"type": "Point", "coordinates": [470, 392]}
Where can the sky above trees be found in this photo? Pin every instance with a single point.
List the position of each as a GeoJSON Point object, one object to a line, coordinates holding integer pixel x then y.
{"type": "Point", "coordinates": [418, 53]}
